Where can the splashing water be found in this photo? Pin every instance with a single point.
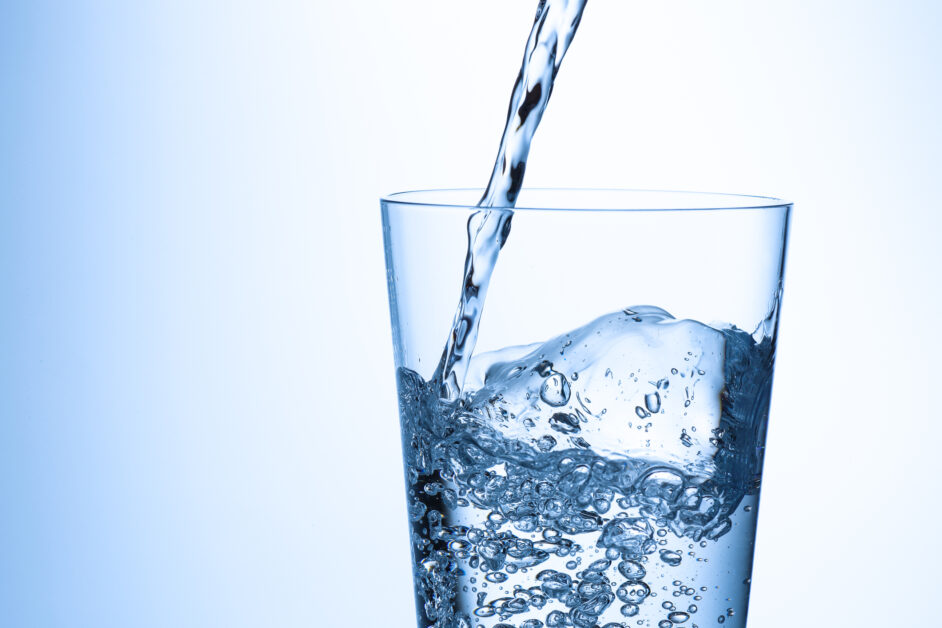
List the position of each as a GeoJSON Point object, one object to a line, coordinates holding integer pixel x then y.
{"type": "Point", "coordinates": [555, 492]}
{"type": "Point", "coordinates": [553, 29]}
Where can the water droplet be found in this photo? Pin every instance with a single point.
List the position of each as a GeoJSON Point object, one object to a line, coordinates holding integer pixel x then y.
{"type": "Point", "coordinates": [678, 617]}
{"type": "Point", "coordinates": [664, 624]}
{"type": "Point", "coordinates": [546, 442]}
{"type": "Point", "coordinates": [670, 557]}
{"type": "Point", "coordinates": [721, 619]}
{"type": "Point", "coordinates": [555, 390]}
{"type": "Point", "coordinates": [692, 608]}
{"type": "Point", "coordinates": [652, 402]}
{"type": "Point", "coordinates": [641, 412]}
{"type": "Point", "coordinates": [685, 439]}
{"type": "Point", "coordinates": [496, 576]}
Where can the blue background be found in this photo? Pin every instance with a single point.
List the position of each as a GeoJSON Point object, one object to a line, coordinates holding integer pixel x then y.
{"type": "Point", "coordinates": [197, 413]}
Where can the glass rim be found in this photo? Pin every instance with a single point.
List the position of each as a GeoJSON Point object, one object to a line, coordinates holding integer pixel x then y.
{"type": "Point", "coordinates": [708, 201]}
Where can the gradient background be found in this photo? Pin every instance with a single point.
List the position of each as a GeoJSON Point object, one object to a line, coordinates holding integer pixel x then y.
{"type": "Point", "coordinates": [197, 410]}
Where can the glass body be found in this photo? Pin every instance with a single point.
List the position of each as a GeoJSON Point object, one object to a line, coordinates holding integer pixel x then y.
{"type": "Point", "coordinates": [602, 464]}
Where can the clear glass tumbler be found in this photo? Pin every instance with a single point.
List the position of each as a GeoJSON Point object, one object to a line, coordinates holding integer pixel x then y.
{"type": "Point", "coordinates": [601, 465]}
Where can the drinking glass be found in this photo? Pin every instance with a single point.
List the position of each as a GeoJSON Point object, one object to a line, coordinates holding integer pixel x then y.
{"type": "Point", "coordinates": [601, 465]}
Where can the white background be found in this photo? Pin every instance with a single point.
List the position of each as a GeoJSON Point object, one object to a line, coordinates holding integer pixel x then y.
{"type": "Point", "coordinates": [198, 423]}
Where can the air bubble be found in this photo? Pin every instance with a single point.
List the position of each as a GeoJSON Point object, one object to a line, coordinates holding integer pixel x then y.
{"type": "Point", "coordinates": [590, 589]}
{"type": "Point", "coordinates": [599, 565]}
{"type": "Point", "coordinates": [652, 402]}
{"type": "Point", "coordinates": [545, 443]}
{"type": "Point", "coordinates": [564, 423]}
{"type": "Point", "coordinates": [631, 570]}
{"type": "Point", "coordinates": [555, 390]}
{"type": "Point", "coordinates": [630, 610]}
{"type": "Point", "coordinates": [633, 592]}
{"type": "Point", "coordinates": [631, 535]}
{"type": "Point", "coordinates": [671, 558]}
{"type": "Point", "coordinates": [556, 618]}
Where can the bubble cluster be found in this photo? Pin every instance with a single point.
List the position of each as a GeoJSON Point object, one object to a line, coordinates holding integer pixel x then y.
{"type": "Point", "coordinates": [518, 525]}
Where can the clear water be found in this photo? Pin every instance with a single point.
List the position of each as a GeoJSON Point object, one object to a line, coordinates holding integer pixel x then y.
{"type": "Point", "coordinates": [553, 29]}
{"type": "Point", "coordinates": [608, 477]}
